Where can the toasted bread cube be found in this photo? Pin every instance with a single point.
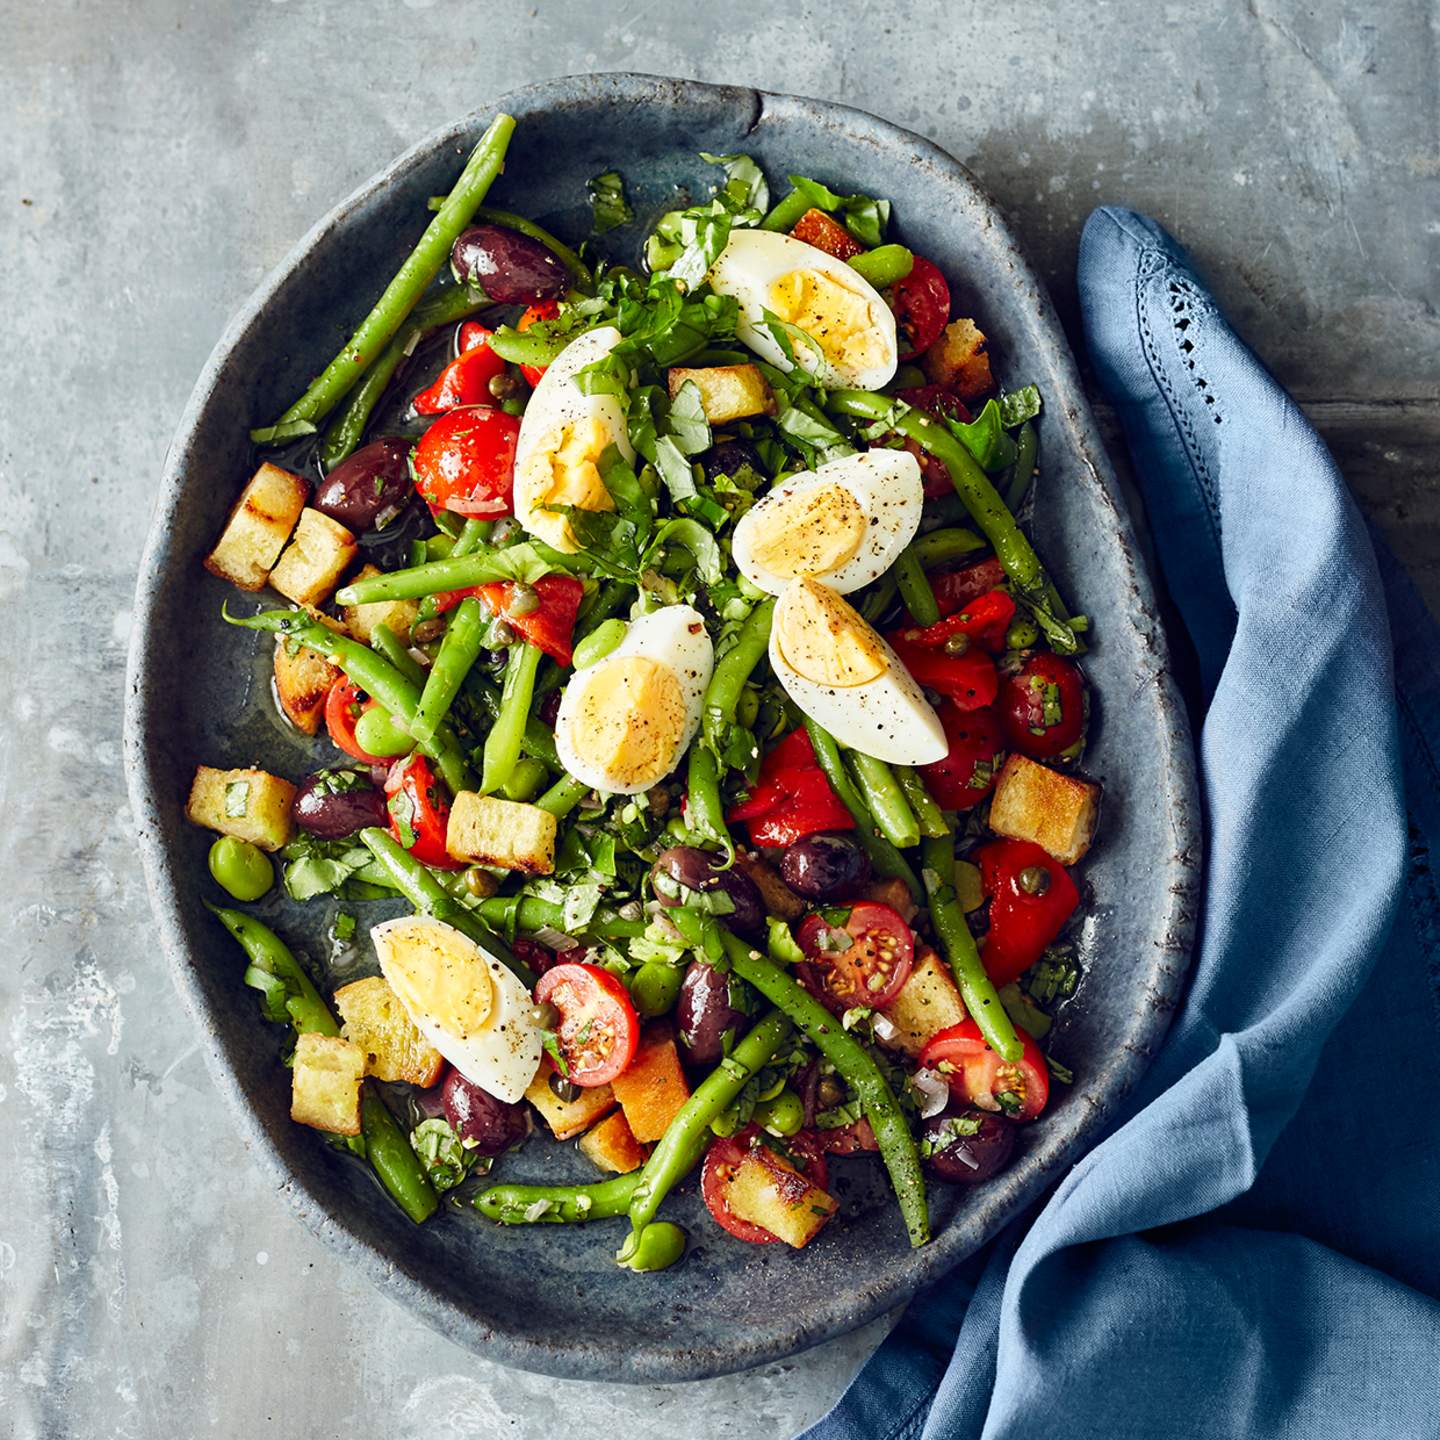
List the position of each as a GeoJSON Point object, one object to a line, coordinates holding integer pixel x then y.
{"type": "Point", "coordinates": [248, 804]}
{"type": "Point", "coordinates": [317, 556]}
{"type": "Point", "coordinates": [1057, 812]}
{"type": "Point", "coordinates": [486, 830]}
{"type": "Point", "coordinates": [303, 678]}
{"type": "Point", "coordinates": [768, 1192]}
{"type": "Point", "coordinates": [378, 1023]}
{"type": "Point", "coordinates": [776, 896]}
{"type": "Point", "coordinates": [727, 392]}
{"type": "Point", "coordinates": [928, 1002]}
{"type": "Point", "coordinates": [325, 1083]}
{"type": "Point", "coordinates": [397, 615]}
{"type": "Point", "coordinates": [258, 527]}
{"type": "Point", "coordinates": [612, 1146]}
{"type": "Point", "coordinates": [652, 1088]}
{"type": "Point", "coordinates": [568, 1118]}
{"type": "Point", "coordinates": [959, 360]}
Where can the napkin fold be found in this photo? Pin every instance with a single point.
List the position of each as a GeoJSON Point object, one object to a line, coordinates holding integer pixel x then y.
{"type": "Point", "coordinates": [1254, 1247]}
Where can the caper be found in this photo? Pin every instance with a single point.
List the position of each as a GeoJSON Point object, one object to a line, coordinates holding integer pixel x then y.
{"type": "Point", "coordinates": [543, 1017]}
{"type": "Point", "coordinates": [830, 1093]}
{"type": "Point", "coordinates": [503, 387]}
{"type": "Point", "coordinates": [524, 600]}
{"type": "Point", "coordinates": [957, 644]}
{"type": "Point", "coordinates": [480, 882]}
{"type": "Point", "coordinates": [564, 1089]}
{"type": "Point", "coordinates": [1034, 879]}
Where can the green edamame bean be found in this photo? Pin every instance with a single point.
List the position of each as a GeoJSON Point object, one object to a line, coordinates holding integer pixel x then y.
{"type": "Point", "coordinates": [242, 869]}
{"type": "Point", "coordinates": [1021, 635]}
{"type": "Point", "coordinates": [747, 707]}
{"type": "Point", "coordinates": [883, 265]}
{"type": "Point", "coordinates": [377, 734]}
{"type": "Point", "coordinates": [784, 1115]}
{"type": "Point", "coordinates": [655, 987]}
{"type": "Point", "coordinates": [599, 642]}
{"type": "Point", "coordinates": [660, 1245]}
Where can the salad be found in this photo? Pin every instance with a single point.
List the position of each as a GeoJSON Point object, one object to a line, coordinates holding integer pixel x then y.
{"type": "Point", "coordinates": [695, 686]}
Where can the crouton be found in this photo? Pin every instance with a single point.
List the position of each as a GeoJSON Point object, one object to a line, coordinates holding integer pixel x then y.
{"type": "Point", "coordinates": [652, 1089]}
{"type": "Point", "coordinates": [568, 1118]}
{"type": "Point", "coordinates": [959, 360]}
{"type": "Point", "coordinates": [248, 804]}
{"type": "Point", "coordinates": [396, 615]}
{"type": "Point", "coordinates": [377, 1022]}
{"type": "Point", "coordinates": [1057, 812]}
{"type": "Point", "coordinates": [928, 1002]}
{"type": "Point", "coordinates": [486, 830]}
{"type": "Point", "coordinates": [325, 1083]}
{"type": "Point", "coordinates": [727, 392]}
{"type": "Point", "coordinates": [612, 1146]}
{"type": "Point", "coordinates": [258, 527]}
{"type": "Point", "coordinates": [769, 1192]}
{"type": "Point", "coordinates": [317, 556]}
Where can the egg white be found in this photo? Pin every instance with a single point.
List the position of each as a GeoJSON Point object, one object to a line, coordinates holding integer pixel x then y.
{"type": "Point", "coordinates": [753, 260]}
{"type": "Point", "coordinates": [502, 1054]}
{"type": "Point", "coordinates": [674, 636]}
{"type": "Point", "coordinates": [887, 486]}
{"type": "Point", "coordinates": [558, 401]}
{"type": "Point", "coordinates": [887, 718]}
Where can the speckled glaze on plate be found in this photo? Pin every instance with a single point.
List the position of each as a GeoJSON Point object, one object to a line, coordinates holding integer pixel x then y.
{"type": "Point", "coordinates": [550, 1298]}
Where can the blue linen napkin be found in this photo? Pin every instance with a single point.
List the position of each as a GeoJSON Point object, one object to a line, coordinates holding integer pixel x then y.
{"type": "Point", "coordinates": [1254, 1248]}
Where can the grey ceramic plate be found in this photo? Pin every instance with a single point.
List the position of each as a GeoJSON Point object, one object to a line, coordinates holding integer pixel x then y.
{"type": "Point", "coordinates": [547, 1298]}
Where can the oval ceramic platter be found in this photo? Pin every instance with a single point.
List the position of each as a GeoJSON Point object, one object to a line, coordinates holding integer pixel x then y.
{"type": "Point", "coordinates": [550, 1298]}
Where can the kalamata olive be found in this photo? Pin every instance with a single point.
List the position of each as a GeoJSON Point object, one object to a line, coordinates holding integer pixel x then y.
{"type": "Point", "coordinates": [967, 1146]}
{"type": "Point", "coordinates": [703, 1013]}
{"type": "Point", "coordinates": [824, 866]}
{"type": "Point", "coordinates": [730, 457]}
{"type": "Point", "coordinates": [475, 1114]}
{"type": "Point", "coordinates": [511, 268]}
{"type": "Point", "coordinates": [333, 804]}
{"type": "Point", "coordinates": [698, 870]}
{"type": "Point", "coordinates": [533, 954]}
{"type": "Point", "coordinates": [369, 488]}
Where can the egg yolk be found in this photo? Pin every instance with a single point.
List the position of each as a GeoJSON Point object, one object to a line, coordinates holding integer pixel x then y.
{"type": "Point", "coordinates": [837, 318]}
{"type": "Point", "coordinates": [629, 720]}
{"type": "Point", "coordinates": [823, 638]}
{"type": "Point", "coordinates": [811, 533]}
{"type": "Point", "coordinates": [563, 469]}
{"type": "Point", "coordinates": [437, 978]}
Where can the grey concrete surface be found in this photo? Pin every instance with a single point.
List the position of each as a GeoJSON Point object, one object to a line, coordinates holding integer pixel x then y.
{"type": "Point", "coordinates": [156, 159]}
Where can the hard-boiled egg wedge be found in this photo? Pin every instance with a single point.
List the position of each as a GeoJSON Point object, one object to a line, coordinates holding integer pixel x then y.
{"type": "Point", "coordinates": [468, 1005]}
{"type": "Point", "coordinates": [624, 722]}
{"type": "Point", "coordinates": [836, 668]}
{"type": "Point", "coordinates": [844, 523]}
{"type": "Point", "coordinates": [562, 435]}
{"type": "Point", "coordinates": [851, 328]}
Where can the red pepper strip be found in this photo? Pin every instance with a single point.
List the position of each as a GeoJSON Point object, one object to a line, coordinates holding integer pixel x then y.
{"type": "Point", "coordinates": [1021, 924]}
{"type": "Point", "coordinates": [969, 680]}
{"type": "Point", "coordinates": [985, 621]}
{"type": "Point", "coordinates": [466, 380]}
{"type": "Point", "coordinates": [792, 797]}
{"type": "Point", "coordinates": [550, 625]}
{"type": "Point", "coordinates": [955, 589]}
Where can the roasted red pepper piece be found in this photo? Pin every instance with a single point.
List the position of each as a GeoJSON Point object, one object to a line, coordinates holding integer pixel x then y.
{"type": "Point", "coordinates": [816, 228]}
{"type": "Point", "coordinates": [1031, 897]}
{"type": "Point", "coordinates": [548, 627]}
{"type": "Point", "coordinates": [984, 620]}
{"type": "Point", "coordinates": [792, 797]}
{"type": "Point", "coordinates": [969, 679]}
{"type": "Point", "coordinates": [466, 379]}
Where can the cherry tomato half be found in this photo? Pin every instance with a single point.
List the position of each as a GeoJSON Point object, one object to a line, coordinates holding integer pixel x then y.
{"type": "Point", "coordinates": [723, 1159]}
{"type": "Point", "coordinates": [870, 972]}
{"type": "Point", "coordinates": [955, 589]}
{"type": "Point", "coordinates": [465, 462]}
{"type": "Point", "coordinates": [1043, 706]}
{"type": "Point", "coordinates": [344, 705]}
{"type": "Point", "coordinates": [977, 751]}
{"type": "Point", "coordinates": [921, 302]}
{"type": "Point", "coordinates": [1031, 897]}
{"type": "Point", "coordinates": [598, 1028]}
{"type": "Point", "coordinates": [419, 812]}
{"type": "Point", "coordinates": [979, 1077]}
{"type": "Point", "coordinates": [546, 310]}
{"type": "Point", "coordinates": [466, 379]}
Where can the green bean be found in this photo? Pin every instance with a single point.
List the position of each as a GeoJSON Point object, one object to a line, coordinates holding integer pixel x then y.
{"type": "Point", "coordinates": [958, 945]}
{"type": "Point", "coordinates": [877, 602]}
{"type": "Point", "coordinates": [608, 599]}
{"type": "Point", "coordinates": [269, 955]}
{"type": "Point", "coordinates": [731, 672]}
{"type": "Point", "coordinates": [885, 859]}
{"type": "Point", "coordinates": [458, 652]}
{"type": "Point", "coordinates": [373, 674]}
{"type": "Point", "coordinates": [884, 265]}
{"type": "Point", "coordinates": [347, 429]}
{"type": "Point", "coordinates": [393, 1158]}
{"type": "Point", "coordinates": [503, 744]}
{"type": "Point", "coordinates": [563, 796]}
{"type": "Point", "coordinates": [884, 799]}
{"type": "Point", "coordinates": [532, 913]}
{"type": "Point", "coordinates": [558, 1204]}
{"type": "Point", "coordinates": [704, 811]}
{"type": "Point", "coordinates": [431, 898]}
{"type": "Point", "coordinates": [475, 534]}
{"type": "Point", "coordinates": [525, 780]}
{"type": "Point", "coordinates": [1023, 471]}
{"type": "Point", "coordinates": [859, 1071]}
{"type": "Point", "coordinates": [481, 566]}
{"type": "Point", "coordinates": [242, 869]}
{"type": "Point", "coordinates": [419, 269]}
{"type": "Point", "coordinates": [680, 1146]}
{"type": "Point", "coordinates": [384, 640]}
{"type": "Point", "coordinates": [915, 589]}
{"type": "Point", "coordinates": [1028, 577]}
{"type": "Point", "coordinates": [539, 738]}
{"type": "Point", "coordinates": [928, 814]}
{"type": "Point", "coordinates": [940, 546]}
